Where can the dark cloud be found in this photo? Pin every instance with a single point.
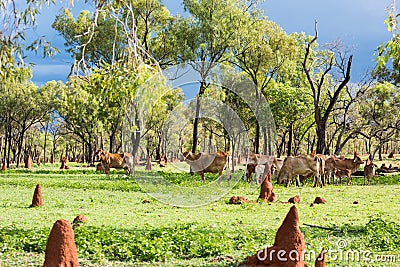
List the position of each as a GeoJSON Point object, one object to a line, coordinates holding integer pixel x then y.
{"type": "Point", "coordinates": [358, 23]}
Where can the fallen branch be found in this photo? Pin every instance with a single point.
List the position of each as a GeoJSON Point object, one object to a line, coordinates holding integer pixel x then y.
{"type": "Point", "coordinates": [317, 226]}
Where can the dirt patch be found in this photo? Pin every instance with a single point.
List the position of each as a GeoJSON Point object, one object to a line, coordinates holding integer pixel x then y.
{"type": "Point", "coordinates": [288, 239]}
{"type": "Point", "coordinates": [295, 199]}
{"type": "Point", "coordinates": [238, 200]}
{"type": "Point", "coordinates": [37, 200]}
{"type": "Point", "coordinates": [320, 260]}
{"type": "Point", "coordinates": [319, 200]}
{"type": "Point", "coordinates": [61, 248]}
{"type": "Point", "coordinates": [223, 258]}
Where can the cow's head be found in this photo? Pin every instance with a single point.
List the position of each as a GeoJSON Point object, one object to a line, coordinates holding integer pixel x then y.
{"type": "Point", "coordinates": [187, 155]}
{"type": "Point", "coordinates": [283, 177]}
{"type": "Point", "coordinates": [357, 160]}
{"type": "Point", "coordinates": [105, 161]}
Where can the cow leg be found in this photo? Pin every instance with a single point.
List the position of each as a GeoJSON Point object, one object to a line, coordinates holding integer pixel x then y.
{"type": "Point", "coordinates": [220, 176]}
{"type": "Point", "coordinates": [318, 180]}
{"type": "Point", "coordinates": [348, 179]}
{"type": "Point", "coordinates": [128, 171]}
{"type": "Point", "coordinates": [203, 178]}
{"type": "Point", "coordinates": [365, 178]}
{"type": "Point", "coordinates": [298, 181]}
{"type": "Point", "coordinates": [328, 176]}
{"type": "Point", "coordinates": [374, 179]}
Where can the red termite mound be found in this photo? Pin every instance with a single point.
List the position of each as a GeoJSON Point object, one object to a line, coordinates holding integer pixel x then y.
{"type": "Point", "coordinates": [28, 162]}
{"type": "Point", "coordinates": [64, 164]}
{"type": "Point", "coordinates": [148, 164]}
{"type": "Point", "coordinates": [79, 220]}
{"type": "Point", "coordinates": [61, 249]}
{"type": "Point", "coordinates": [37, 200]}
{"type": "Point", "coordinates": [288, 248]}
{"type": "Point", "coordinates": [295, 199]}
{"type": "Point", "coordinates": [320, 260]}
{"type": "Point", "coordinates": [4, 167]}
{"type": "Point", "coordinates": [238, 200]}
{"type": "Point", "coordinates": [266, 191]}
{"type": "Point", "coordinates": [319, 200]}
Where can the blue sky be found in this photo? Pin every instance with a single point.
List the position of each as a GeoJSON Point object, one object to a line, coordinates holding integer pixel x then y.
{"type": "Point", "coordinates": [358, 23]}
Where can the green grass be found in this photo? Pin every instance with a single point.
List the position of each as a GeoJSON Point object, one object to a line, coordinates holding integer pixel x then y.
{"type": "Point", "coordinates": [123, 231]}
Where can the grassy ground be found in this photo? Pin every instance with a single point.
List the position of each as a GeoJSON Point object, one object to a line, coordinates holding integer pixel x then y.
{"type": "Point", "coordinates": [123, 231]}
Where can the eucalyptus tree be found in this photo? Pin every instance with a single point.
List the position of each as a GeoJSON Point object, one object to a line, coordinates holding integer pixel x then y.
{"type": "Point", "coordinates": [205, 37]}
{"type": "Point", "coordinates": [292, 114]}
{"type": "Point", "coordinates": [379, 110]}
{"type": "Point", "coordinates": [388, 58]}
{"type": "Point", "coordinates": [16, 19]}
{"type": "Point", "coordinates": [99, 36]}
{"type": "Point", "coordinates": [328, 73]}
{"type": "Point", "coordinates": [80, 110]}
{"type": "Point", "coordinates": [117, 48]}
{"type": "Point", "coordinates": [262, 53]}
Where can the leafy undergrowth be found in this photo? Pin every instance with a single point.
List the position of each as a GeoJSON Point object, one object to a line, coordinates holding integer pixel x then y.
{"type": "Point", "coordinates": [123, 230]}
{"type": "Point", "coordinates": [184, 242]}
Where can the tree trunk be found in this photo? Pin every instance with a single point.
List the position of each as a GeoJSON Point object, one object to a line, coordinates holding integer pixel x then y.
{"type": "Point", "coordinates": [5, 149]}
{"type": "Point", "coordinates": [1, 146]}
{"type": "Point", "coordinates": [321, 138]}
{"type": "Point", "coordinates": [257, 139]}
{"type": "Point", "coordinates": [112, 141]}
{"type": "Point", "coordinates": [210, 141]}
{"type": "Point", "coordinates": [90, 152]}
{"type": "Point", "coordinates": [290, 140]}
{"type": "Point", "coordinates": [45, 143]}
{"type": "Point", "coordinates": [9, 146]}
{"type": "Point", "coordinates": [196, 119]}
{"type": "Point", "coordinates": [233, 155]}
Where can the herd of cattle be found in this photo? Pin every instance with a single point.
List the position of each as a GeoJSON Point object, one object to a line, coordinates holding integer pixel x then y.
{"type": "Point", "coordinates": [322, 168]}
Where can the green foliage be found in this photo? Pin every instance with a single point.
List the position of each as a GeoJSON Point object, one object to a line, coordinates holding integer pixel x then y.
{"type": "Point", "coordinates": [122, 230]}
{"type": "Point", "coordinates": [387, 67]}
{"type": "Point", "coordinates": [382, 235]}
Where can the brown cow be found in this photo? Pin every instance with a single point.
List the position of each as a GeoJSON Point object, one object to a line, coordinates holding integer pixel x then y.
{"type": "Point", "coordinates": [304, 165]}
{"type": "Point", "coordinates": [339, 174]}
{"type": "Point", "coordinates": [347, 165]}
{"type": "Point", "coordinates": [369, 170]}
{"type": "Point", "coordinates": [207, 162]}
{"type": "Point", "coordinates": [258, 159]}
{"type": "Point", "coordinates": [117, 161]}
